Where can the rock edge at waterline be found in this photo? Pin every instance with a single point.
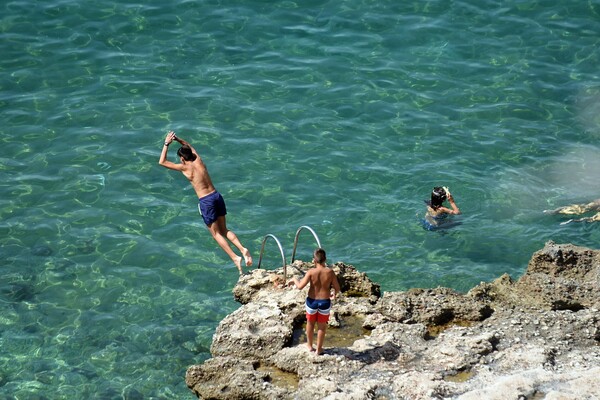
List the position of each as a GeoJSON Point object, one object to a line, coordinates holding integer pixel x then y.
{"type": "Point", "coordinates": [534, 338]}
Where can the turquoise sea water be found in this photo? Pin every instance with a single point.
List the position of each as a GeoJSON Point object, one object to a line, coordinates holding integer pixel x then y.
{"type": "Point", "coordinates": [340, 115]}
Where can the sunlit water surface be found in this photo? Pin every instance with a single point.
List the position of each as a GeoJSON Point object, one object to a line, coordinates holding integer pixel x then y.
{"type": "Point", "coordinates": [339, 115]}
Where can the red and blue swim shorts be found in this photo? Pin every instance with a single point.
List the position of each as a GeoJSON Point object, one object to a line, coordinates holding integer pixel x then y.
{"type": "Point", "coordinates": [317, 309]}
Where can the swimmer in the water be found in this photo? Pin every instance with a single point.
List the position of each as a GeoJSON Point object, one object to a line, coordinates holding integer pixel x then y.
{"type": "Point", "coordinates": [578, 209]}
{"type": "Point", "coordinates": [436, 211]}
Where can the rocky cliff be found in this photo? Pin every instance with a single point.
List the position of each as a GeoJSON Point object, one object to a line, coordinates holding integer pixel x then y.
{"type": "Point", "coordinates": [534, 338]}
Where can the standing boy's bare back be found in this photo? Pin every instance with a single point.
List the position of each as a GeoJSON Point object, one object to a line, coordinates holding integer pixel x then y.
{"type": "Point", "coordinates": [321, 280]}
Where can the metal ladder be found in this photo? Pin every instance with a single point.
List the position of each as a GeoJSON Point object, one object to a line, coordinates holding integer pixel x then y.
{"type": "Point", "coordinates": [281, 248]}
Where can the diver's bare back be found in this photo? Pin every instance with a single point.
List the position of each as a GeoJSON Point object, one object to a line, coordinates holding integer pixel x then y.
{"type": "Point", "coordinates": [197, 174]}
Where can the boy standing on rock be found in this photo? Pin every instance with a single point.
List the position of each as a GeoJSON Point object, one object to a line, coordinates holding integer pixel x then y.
{"type": "Point", "coordinates": [318, 302]}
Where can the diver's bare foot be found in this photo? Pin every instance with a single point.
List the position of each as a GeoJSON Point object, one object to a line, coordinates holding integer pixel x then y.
{"type": "Point", "coordinates": [309, 348]}
{"type": "Point", "coordinates": [238, 264]}
{"type": "Point", "coordinates": [247, 257]}
{"type": "Point", "coordinates": [319, 352]}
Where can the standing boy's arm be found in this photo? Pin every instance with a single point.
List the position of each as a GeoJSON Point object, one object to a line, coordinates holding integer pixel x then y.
{"type": "Point", "coordinates": [336, 285]}
{"type": "Point", "coordinates": [302, 283]}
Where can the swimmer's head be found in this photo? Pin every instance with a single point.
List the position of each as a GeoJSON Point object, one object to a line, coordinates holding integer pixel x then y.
{"type": "Point", "coordinates": [186, 153]}
{"type": "Point", "coordinates": [438, 196]}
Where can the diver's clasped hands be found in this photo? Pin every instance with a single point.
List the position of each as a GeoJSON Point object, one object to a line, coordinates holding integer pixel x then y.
{"type": "Point", "coordinates": [170, 137]}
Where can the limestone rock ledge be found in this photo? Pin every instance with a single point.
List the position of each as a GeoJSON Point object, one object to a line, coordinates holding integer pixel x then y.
{"type": "Point", "coordinates": [534, 338]}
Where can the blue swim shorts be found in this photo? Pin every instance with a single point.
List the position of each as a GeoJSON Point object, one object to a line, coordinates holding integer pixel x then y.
{"type": "Point", "coordinates": [211, 207]}
{"type": "Point", "coordinates": [317, 310]}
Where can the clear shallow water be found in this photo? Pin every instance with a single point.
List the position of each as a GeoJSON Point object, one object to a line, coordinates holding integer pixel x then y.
{"type": "Point", "coordinates": [337, 115]}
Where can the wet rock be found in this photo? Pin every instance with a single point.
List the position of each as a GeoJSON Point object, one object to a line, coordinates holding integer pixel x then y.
{"type": "Point", "coordinates": [255, 330]}
{"type": "Point", "coordinates": [558, 277]}
{"type": "Point", "coordinates": [436, 307]}
{"type": "Point", "coordinates": [230, 378]}
{"type": "Point", "coordinates": [535, 337]}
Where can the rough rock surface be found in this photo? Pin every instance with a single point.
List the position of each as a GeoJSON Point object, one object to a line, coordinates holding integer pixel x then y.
{"type": "Point", "coordinates": [534, 338]}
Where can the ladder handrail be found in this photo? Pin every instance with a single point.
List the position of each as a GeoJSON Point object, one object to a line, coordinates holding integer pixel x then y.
{"type": "Point", "coordinates": [262, 249]}
{"type": "Point", "coordinates": [280, 250]}
{"type": "Point", "coordinates": [296, 238]}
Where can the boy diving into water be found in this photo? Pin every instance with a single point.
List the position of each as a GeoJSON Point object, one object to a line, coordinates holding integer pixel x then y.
{"type": "Point", "coordinates": [210, 202]}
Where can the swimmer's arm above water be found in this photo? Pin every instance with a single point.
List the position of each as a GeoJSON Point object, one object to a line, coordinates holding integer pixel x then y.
{"type": "Point", "coordinates": [455, 210]}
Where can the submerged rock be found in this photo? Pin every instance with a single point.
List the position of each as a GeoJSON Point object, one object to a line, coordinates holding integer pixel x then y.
{"type": "Point", "coordinates": [537, 337]}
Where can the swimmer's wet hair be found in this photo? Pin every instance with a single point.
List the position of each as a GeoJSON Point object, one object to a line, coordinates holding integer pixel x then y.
{"type": "Point", "coordinates": [438, 195]}
{"type": "Point", "coordinates": [186, 152]}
